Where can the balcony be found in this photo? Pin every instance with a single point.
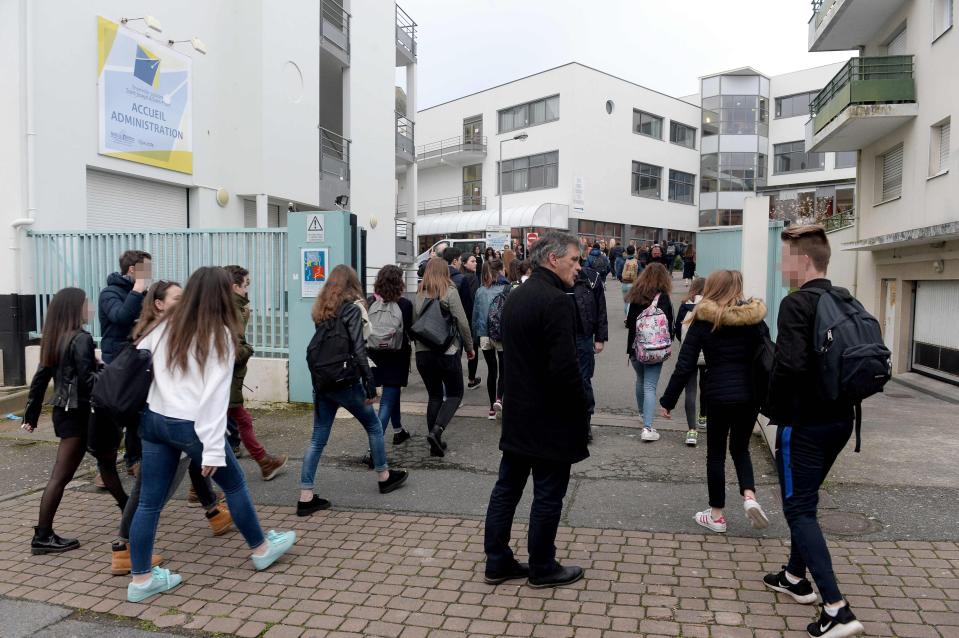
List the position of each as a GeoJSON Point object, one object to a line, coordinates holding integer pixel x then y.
{"type": "Point", "coordinates": [405, 150]}
{"type": "Point", "coordinates": [405, 38]}
{"type": "Point", "coordinates": [843, 25]}
{"type": "Point", "coordinates": [462, 204]}
{"type": "Point", "coordinates": [868, 99]}
{"type": "Point", "coordinates": [334, 167]}
{"type": "Point", "coordinates": [453, 151]}
{"type": "Point", "coordinates": [335, 30]}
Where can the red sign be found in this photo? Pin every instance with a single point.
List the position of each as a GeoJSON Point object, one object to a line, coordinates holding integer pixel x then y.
{"type": "Point", "coordinates": [531, 238]}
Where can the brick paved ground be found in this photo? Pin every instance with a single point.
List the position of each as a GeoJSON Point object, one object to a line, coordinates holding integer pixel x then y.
{"type": "Point", "coordinates": [376, 574]}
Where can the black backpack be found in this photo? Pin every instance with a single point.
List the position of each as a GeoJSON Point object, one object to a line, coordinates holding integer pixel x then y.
{"type": "Point", "coordinates": [762, 368]}
{"type": "Point", "coordinates": [435, 328]}
{"type": "Point", "coordinates": [122, 386]}
{"type": "Point", "coordinates": [330, 356]}
{"type": "Point", "coordinates": [853, 361]}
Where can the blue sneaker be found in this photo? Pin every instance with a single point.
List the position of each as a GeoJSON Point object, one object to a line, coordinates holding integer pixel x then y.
{"type": "Point", "coordinates": [279, 543]}
{"type": "Point", "coordinates": [161, 580]}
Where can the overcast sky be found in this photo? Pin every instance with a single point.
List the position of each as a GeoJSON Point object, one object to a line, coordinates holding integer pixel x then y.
{"type": "Point", "coordinates": [666, 45]}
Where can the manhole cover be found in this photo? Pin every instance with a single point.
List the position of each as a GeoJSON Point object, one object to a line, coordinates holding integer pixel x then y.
{"type": "Point", "coordinates": [847, 523]}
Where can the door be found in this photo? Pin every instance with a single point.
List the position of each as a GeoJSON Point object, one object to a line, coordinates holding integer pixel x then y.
{"type": "Point", "coordinates": [473, 187]}
{"type": "Point", "coordinates": [473, 130]}
{"type": "Point", "coordinates": [935, 338]}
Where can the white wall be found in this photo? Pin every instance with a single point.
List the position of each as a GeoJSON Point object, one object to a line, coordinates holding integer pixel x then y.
{"type": "Point", "coordinates": [12, 139]}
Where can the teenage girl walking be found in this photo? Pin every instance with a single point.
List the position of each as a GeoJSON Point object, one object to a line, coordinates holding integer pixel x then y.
{"type": "Point", "coordinates": [693, 297]}
{"type": "Point", "coordinates": [494, 283]}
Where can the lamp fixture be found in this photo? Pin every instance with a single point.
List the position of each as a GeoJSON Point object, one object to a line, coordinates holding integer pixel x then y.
{"type": "Point", "coordinates": [196, 43]}
{"type": "Point", "coordinates": [150, 21]}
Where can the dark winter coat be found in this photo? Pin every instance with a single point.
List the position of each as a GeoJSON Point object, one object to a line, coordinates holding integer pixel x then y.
{"type": "Point", "coordinates": [473, 283]}
{"type": "Point", "coordinates": [617, 253]}
{"type": "Point", "coordinates": [464, 289]}
{"type": "Point", "coordinates": [598, 262]}
{"type": "Point", "coordinates": [633, 314]}
{"type": "Point", "coordinates": [590, 295]}
{"type": "Point", "coordinates": [689, 267]}
{"type": "Point", "coordinates": [544, 410]}
{"type": "Point", "coordinates": [244, 351]}
{"type": "Point", "coordinates": [73, 379]}
{"type": "Point", "coordinates": [729, 351]}
{"type": "Point", "coordinates": [118, 308]}
{"type": "Point", "coordinates": [393, 366]}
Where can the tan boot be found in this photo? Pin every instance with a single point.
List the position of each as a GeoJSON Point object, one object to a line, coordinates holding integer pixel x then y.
{"type": "Point", "coordinates": [220, 521]}
{"type": "Point", "coordinates": [270, 466]}
{"type": "Point", "coordinates": [120, 560]}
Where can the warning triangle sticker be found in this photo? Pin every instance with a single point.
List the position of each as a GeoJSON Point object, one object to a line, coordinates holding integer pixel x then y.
{"type": "Point", "coordinates": [315, 224]}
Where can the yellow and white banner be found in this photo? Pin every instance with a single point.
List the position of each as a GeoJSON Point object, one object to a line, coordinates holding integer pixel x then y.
{"type": "Point", "coordinates": [145, 99]}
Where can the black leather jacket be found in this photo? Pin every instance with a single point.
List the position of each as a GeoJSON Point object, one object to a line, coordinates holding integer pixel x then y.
{"type": "Point", "coordinates": [590, 295]}
{"type": "Point", "coordinates": [73, 379]}
{"type": "Point", "coordinates": [352, 318]}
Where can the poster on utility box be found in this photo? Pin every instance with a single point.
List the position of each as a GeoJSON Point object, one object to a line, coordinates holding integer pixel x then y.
{"type": "Point", "coordinates": [145, 101]}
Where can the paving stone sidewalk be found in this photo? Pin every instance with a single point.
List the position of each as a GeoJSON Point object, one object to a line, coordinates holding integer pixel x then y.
{"type": "Point", "coordinates": [379, 574]}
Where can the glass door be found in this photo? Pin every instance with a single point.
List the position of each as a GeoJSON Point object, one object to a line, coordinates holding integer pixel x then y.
{"type": "Point", "coordinates": [473, 130]}
{"type": "Point", "coordinates": [473, 187]}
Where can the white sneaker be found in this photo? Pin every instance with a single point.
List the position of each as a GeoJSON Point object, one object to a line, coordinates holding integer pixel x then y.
{"type": "Point", "coordinates": [650, 435]}
{"type": "Point", "coordinates": [498, 405]}
{"type": "Point", "coordinates": [692, 437]}
{"type": "Point", "coordinates": [754, 512]}
{"type": "Point", "coordinates": [705, 518]}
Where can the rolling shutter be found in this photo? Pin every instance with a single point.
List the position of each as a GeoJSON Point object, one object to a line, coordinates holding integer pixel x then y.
{"type": "Point", "coordinates": [121, 202]}
{"type": "Point", "coordinates": [944, 146]}
{"type": "Point", "coordinates": [892, 174]}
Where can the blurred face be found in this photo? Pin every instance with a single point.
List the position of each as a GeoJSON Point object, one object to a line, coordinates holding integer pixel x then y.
{"type": "Point", "coordinates": [87, 311]}
{"type": "Point", "coordinates": [173, 294]}
{"type": "Point", "coordinates": [566, 267]}
{"type": "Point", "coordinates": [471, 263]}
{"type": "Point", "coordinates": [143, 270]}
{"type": "Point", "coordinates": [794, 266]}
{"type": "Point", "coordinates": [244, 288]}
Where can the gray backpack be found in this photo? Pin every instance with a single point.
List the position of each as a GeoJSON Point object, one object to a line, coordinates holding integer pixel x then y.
{"type": "Point", "coordinates": [386, 326]}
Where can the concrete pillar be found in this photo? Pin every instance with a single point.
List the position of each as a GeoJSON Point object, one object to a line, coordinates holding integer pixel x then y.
{"type": "Point", "coordinates": [262, 211]}
{"type": "Point", "coordinates": [755, 246]}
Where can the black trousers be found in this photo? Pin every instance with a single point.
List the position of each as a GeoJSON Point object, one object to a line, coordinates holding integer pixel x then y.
{"type": "Point", "coordinates": [733, 423]}
{"type": "Point", "coordinates": [804, 456]}
{"type": "Point", "coordinates": [443, 377]}
{"type": "Point", "coordinates": [550, 480]}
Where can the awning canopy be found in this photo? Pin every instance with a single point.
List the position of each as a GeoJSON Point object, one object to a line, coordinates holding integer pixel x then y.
{"type": "Point", "coordinates": [548, 215]}
{"type": "Point", "coordinates": [912, 237]}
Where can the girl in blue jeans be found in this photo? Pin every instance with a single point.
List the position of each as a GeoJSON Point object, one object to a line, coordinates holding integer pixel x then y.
{"type": "Point", "coordinates": [342, 328]}
{"type": "Point", "coordinates": [193, 349]}
{"type": "Point", "coordinates": [653, 280]}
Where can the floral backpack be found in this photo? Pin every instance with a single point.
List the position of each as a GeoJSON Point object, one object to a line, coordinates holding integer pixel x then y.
{"type": "Point", "coordinates": [652, 343]}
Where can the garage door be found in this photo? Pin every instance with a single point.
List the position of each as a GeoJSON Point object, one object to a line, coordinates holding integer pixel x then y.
{"type": "Point", "coordinates": [935, 338]}
{"type": "Point", "coordinates": [121, 202]}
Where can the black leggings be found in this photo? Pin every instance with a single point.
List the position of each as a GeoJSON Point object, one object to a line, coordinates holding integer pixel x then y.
{"type": "Point", "coordinates": [732, 422]}
{"type": "Point", "coordinates": [69, 456]}
{"type": "Point", "coordinates": [494, 363]}
{"type": "Point", "coordinates": [473, 364]}
{"type": "Point", "coordinates": [443, 377]}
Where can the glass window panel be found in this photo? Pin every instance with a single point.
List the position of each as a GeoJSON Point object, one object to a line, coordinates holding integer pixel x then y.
{"type": "Point", "coordinates": [519, 180]}
{"type": "Point", "coordinates": [552, 108]}
{"type": "Point", "coordinates": [846, 159]}
{"type": "Point", "coordinates": [552, 176]}
{"type": "Point", "coordinates": [520, 162]}
{"type": "Point", "coordinates": [521, 116]}
{"type": "Point", "coordinates": [536, 177]}
{"type": "Point", "coordinates": [537, 160]}
{"type": "Point", "coordinates": [537, 112]}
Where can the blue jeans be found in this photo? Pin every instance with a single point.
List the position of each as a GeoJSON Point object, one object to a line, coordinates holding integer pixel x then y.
{"type": "Point", "coordinates": [164, 439]}
{"type": "Point", "coordinates": [647, 378]}
{"type": "Point", "coordinates": [325, 406]}
{"type": "Point", "coordinates": [390, 407]}
{"type": "Point", "coordinates": [625, 288]}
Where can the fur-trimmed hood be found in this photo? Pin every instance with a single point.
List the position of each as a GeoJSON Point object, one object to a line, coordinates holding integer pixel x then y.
{"type": "Point", "coordinates": [746, 313]}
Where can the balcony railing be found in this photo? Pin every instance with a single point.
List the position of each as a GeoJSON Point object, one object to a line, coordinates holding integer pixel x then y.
{"type": "Point", "coordinates": [842, 219]}
{"type": "Point", "coordinates": [405, 32]}
{"type": "Point", "coordinates": [404, 136]}
{"type": "Point", "coordinates": [476, 143]}
{"type": "Point", "coordinates": [872, 80]}
{"type": "Point", "coordinates": [821, 8]}
{"type": "Point", "coordinates": [335, 25]}
{"type": "Point", "coordinates": [446, 205]}
{"type": "Point", "coordinates": [334, 154]}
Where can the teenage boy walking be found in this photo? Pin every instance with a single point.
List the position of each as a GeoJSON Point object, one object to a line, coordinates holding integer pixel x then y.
{"type": "Point", "coordinates": [811, 433]}
{"type": "Point", "coordinates": [270, 465]}
{"type": "Point", "coordinates": [592, 330]}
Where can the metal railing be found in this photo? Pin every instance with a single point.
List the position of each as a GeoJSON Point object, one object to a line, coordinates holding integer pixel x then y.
{"type": "Point", "coordinates": [334, 154]}
{"type": "Point", "coordinates": [335, 25]}
{"type": "Point", "coordinates": [890, 67]}
{"type": "Point", "coordinates": [475, 143]}
{"type": "Point", "coordinates": [85, 259]}
{"type": "Point", "coordinates": [447, 205]}
{"type": "Point", "coordinates": [405, 32]}
{"type": "Point", "coordinates": [404, 135]}
{"type": "Point", "coordinates": [822, 8]}
{"type": "Point", "coordinates": [842, 219]}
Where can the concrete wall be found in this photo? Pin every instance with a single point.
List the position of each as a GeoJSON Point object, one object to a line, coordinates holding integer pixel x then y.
{"type": "Point", "coordinates": [842, 264]}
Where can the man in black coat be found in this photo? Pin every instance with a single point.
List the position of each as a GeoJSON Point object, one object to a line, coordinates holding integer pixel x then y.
{"type": "Point", "coordinates": [454, 257]}
{"type": "Point", "coordinates": [592, 329]}
{"type": "Point", "coordinates": [544, 414]}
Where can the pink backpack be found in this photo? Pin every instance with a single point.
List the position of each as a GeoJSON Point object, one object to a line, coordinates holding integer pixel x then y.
{"type": "Point", "coordinates": [652, 343]}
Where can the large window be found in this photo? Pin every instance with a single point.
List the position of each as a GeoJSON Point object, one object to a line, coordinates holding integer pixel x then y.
{"type": "Point", "coordinates": [793, 105]}
{"type": "Point", "coordinates": [744, 115]}
{"type": "Point", "coordinates": [889, 169]}
{"type": "Point", "coordinates": [646, 180]}
{"type": "Point", "coordinates": [681, 187]}
{"type": "Point", "coordinates": [529, 114]}
{"type": "Point", "coordinates": [739, 172]}
{"type": "Point", "coordinates": [531, 173]}
{"type": "Point", "coordinates": [710, 122]}
{"type": "Point", "coordinates": [721, 217]}
{"type": "Point", "coordinates": [647, 124]}
{"type": "Point", "coordinates": [792, 157]}
{"type": "Point", "coordinates": [709, 173]}
{"type": "Point", "coordinates": [682, 134]}
{"type": "Point", "coordinates": [846, 159]}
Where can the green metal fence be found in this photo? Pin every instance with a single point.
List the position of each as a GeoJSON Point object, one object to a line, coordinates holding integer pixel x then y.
{"type": "Point", "coordinates": [85, 259]}
{"type": "Point", "coordinates": [868, 80]}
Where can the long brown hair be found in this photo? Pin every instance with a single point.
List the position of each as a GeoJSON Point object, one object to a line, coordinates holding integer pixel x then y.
{"type": "Point", "coordinates": [204, 321]}
{"type": "Point", "coordinates": [491, 268]}
{"type": "Point", "coordinates": [64, 319]}
{"type": "Point", "coordinates": [653, 280]}
{"type": "Point", "coordinates": [695, 288]}
{"type": "Point", "coordinates": [342, 286]}
{"type": "Point", "coordinates": [149, 315]}
{"type": "Point", "coordinates": [436, 279]}
{"type": "Point", "coordinates": [690, 253]}
{"type": "Point", "coordinates": [725, 289]}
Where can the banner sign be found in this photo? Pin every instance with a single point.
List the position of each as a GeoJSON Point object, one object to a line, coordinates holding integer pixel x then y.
{"type": "Point", "coordinates": [315, 263]}
{"type": "Point", "coordinates": [145, 99]}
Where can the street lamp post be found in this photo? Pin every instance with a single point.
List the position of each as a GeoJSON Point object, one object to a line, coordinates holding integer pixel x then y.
{"type": "Point", "coordinates": [521, 137]}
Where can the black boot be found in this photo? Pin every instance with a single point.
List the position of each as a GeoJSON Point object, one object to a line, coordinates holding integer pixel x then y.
{"type": "Point", "coordinates": [437, 446]}
{"type": "Point", "coordinates": [46, 542]}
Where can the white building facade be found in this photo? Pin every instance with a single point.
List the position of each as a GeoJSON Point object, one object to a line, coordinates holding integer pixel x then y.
{"type": "Point", "coordinates": [893, 104]}
{"type": "Point", "coordinates": [603, 157]}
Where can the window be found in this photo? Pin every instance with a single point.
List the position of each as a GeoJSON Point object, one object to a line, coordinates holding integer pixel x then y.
{"type": "Point", "coordinates": [473, 186]}
{"type": "Point", "coordinates": [647, 124]}
{"type": "Point", "coordinates": [941, 17]}
{"type": "Point", "coordinates": [721, 217]}
{"type": "Point", "coordinates": [532, 172]}
{"type": "Point", "coordinates": [709, 173]}
{"type": "Point", "coordinates": [682, 135]}
{"type": "Point", "coordinates": [889, 169]}
{"type": "Point", "coordinates": [646, 180]}
{"type": "Point", "coordinates": [792, 157]}
{"type": "Point", "coordinates": [529, 114]}
{"type": "Point", "coordinates": [793, 105]}
{"type": "Point", "coordinates": [939, 148]}
{"type": "Point", "coordinates": [846, 159]}
{"type": "Point", "coordinates": [738, 172]}
{"type": "Point", "coordinates": [737, 115]}
{"type": "Point", "coordinates": [681, 187]}
{"type": "Point", "coordinates": [711, 109]}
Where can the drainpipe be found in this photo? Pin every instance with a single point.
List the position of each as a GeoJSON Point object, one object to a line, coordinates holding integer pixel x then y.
{"type": "Point", "coordinates": [26, 50]}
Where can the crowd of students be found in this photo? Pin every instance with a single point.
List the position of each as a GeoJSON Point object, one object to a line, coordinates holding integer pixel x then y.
{"type": "Point", "coordinates": [539, 324]}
